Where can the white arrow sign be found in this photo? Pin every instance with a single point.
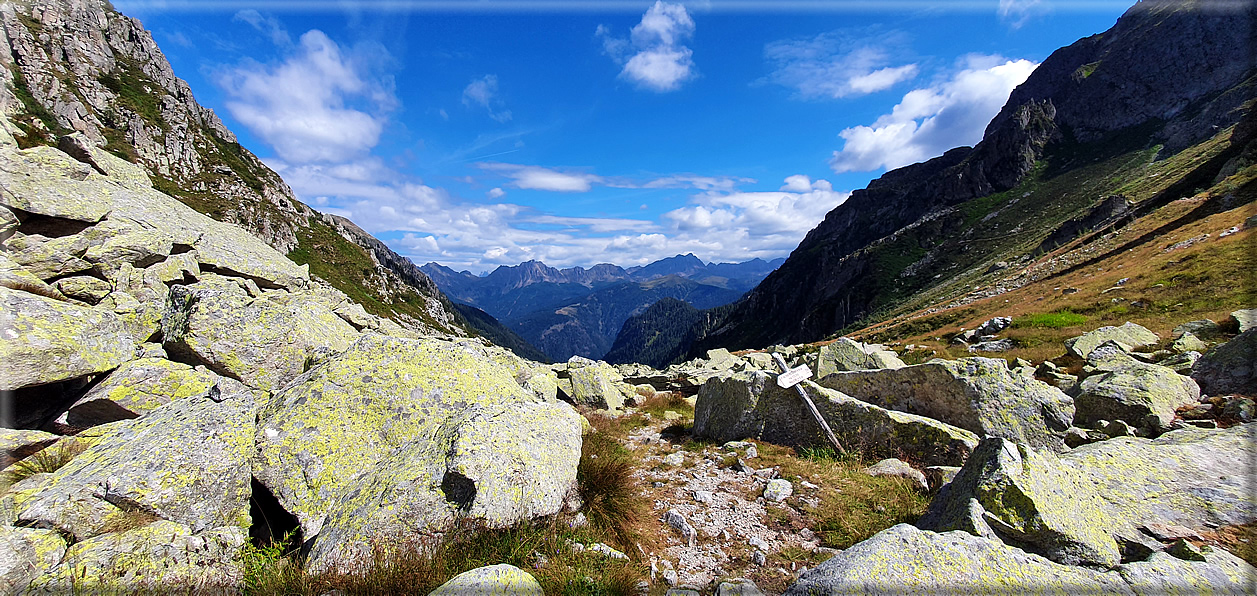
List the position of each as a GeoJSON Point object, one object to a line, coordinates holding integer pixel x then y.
{"type": "Point", "coordinates": [794, 376]}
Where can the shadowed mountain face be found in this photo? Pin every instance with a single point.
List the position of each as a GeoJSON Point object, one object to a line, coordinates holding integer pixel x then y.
{"type": "Point", "coordinates": [1167, 77]}
{"type": "Point", "coordinates": [577, 311]}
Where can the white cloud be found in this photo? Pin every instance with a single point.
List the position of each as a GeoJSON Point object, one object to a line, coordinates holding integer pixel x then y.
{"type": "Point", "coordinates": [654, 57]}
{"type": "Point", "coordinates": [495, 193]}
{"type": "Point", "coordinates": [931, 120]}
{"type": "Point", "coordinates": [268, 25]}
{"type": "Point", "coordinates": [313, 106]}
{"type": "Point", "coordinates": [1017, 12]}
{"type": "Point", "coordinates": [539, 178]}
{"type": "Point", "coordinates": [483, 92]}
{"type": "Point", "coordinates": [836, 64]}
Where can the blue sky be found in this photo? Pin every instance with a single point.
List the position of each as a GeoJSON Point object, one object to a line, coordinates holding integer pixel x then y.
{"type": "Point", "coordinates": [478, 134]}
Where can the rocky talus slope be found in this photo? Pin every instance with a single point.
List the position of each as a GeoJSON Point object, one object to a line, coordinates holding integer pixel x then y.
{"type": "Point", "coordinates": [208, 388]}
{"type": "Point", "coordinates": [80, 66]}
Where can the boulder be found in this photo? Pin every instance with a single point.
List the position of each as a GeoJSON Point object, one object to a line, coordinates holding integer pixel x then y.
{"type": "Point", "coordinates": [1144, 395]}
{"type": "Point", "coordinates": [1220, 572]}
{"type": "Point", "coordinates": [1085, 505]}
{"type": "Point", "coordinates": [16, 277]}
{"type": "Point", "coordinates": [1230, 367]}
{"type": "Point", "coordinates": [381, 444]}
{"type": "Point", "coordinates": [84, 288]}
{"type": "Point", "coordinates": [738, 587]}
{"type": "Point", "coordinates": [977, 394]}
{"type": "Point", "coordinates": [778, 490]}
{"type": "Point", "coordinates": [160, 557]}
{"type": "Point", "coordinates": [134, 389]}
{"type": "Point", "coordinates": [45, 181]}
{"type": "Point", "coordinates": [905, 560]}
{"type": "Point", "coordinates": [186, 461]}
{"type": "Point", "coordinates": [994, 345]}
{"type": "Point", "coordinates": [265, 341]}
{"type": "Point", "coordinates": [46, 341]}
{"type": "Point", "coordinates": [1243, 320]}
{"type": "Point", "coordinates": [750, 404]}
{"type": "Point", "coordinates": [1204, 329]}
{"type": "Point", "coordinates": [1188, 342]}
{"type": "Point", "coordinates": [1130, 336]}
{"type": "Point", "coordinates": [18, 444]}
{"type": "Point", "coordinates": [898, 469]}
{"type": "Point", "coordinates": [846, 354]}
{"type": "Point", "coordinates": [47, 258]}
{"type": "Point", "coordinates": [1009, 491]}
{"type": "Point", "coordinates": [994, 325]}
{"type": "Point", "coordinates": [26, 553]}
{"type": "Point", "coordinates": [489, 581]}
{"type": "Point", "coordinates": [595, 384]}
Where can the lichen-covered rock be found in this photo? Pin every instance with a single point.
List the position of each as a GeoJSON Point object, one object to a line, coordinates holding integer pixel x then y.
{"type": "Point", "coordinates": [16, 277]}
{"type": "Point", "coordinates": [1230, 367]}
{"type": "Point", "coordinates": [905, 560]}
{"type": "Point", "coordinates": [595, 384]}
{"type": "Point", "coordinates": [1219, 573]}
{"type": "Point", "coordinates": [1009, 491]}
{"type": "Point", "coordinates": [84, 287]}
{"type": "Point", "coordinates": [394, 438]}
{"type": "Point", "coordinates": [1144, 395]}
{"type": "Point", "coordinates": [1065, 506]}
{"type": "Point", "coordinates": [27, 177]}
{"type": "Point", "coordinates": [26, 553]}
{"type": "Point", "coordinates": [1188, 342]}
{"type": "Point", "coordinates": [750, 404]}
{"type": "Point", "coordinates": [187, 461]}
{"type": "Point", "coordinates": [1129, 335]}
{"type": "Point", "coordinates": [899, 469]}
{"type": "Point", "coordinates": [47, 258]}
{"type": "Point", "coordinates": [977, 394]}
{"type": "Point", "coordinates": [1244, 319]}
{"type": "Point", "coordinates": [265, 341]}
{"type": "Point", "coordinates": [163, 556]}
{"type": "Point", "coordinates": [46, 341]}
{"type": "Point", "coordinates": [846, 354]}
{"type": "Point", "coordinates": [493, 580]}
{"type": "Point", "coordinates": [134, 389]}
{"type": "Point", "coordinates": [17, 444]}
{"type": "Point", "coordinates": [1203, 328]}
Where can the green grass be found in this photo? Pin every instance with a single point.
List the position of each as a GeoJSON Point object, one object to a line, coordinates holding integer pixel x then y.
{"type": "Point", "coordinates": [136, 91]}
{"type": "Point", "coordinates": [1049, 320]}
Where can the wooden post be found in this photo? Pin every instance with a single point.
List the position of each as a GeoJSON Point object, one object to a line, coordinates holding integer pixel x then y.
{"type": "Point", "coordinates": [795, 378]}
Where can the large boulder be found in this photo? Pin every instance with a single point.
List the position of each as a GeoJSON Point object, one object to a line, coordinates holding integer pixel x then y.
{"type": "Point", "coordinates": [750, 404]}
{"type": "Point", "coordinates": [1219, 573]}
{"type": "Point", "coordinates": [1144, 395]}
{"type": "Point", "coordinates": [1010, 491]}
{"type": "Point", "coordinates": [1244, 319]}
{"type": "Point", "coordinates": [1087, 505]}
{"type": "Point", "coordinates": [489, 581]}
{"type": "Point", "coordinates": [187, 461]}
{"type": "Point", "coordinates": [16, 444]}
{"type": "Point", "coordinates": [46, 341]}
{"type": "Point", "coordinates": [160, 557]}
{"type": "Point", "coordinates": [905, 560]}
{"type": "Point", "coordinates": [846, 354]}
{"type": "Point", "coordinates": [595, 384]}
{"type": "Point", "coordinates": [977, 394]}
{"type": "Point", "coordinates": [264, 341]}
{"type": "Point", "coordinates": [394, 438]}
{"type": "Point", "coordinates": [134, 389]}
{"type": "Point", "coordinates": [1129, 335]}
{"type": "Point", "coordinates": [26, 553]}
{"type": "Point", "coordinates": [1230, 367]}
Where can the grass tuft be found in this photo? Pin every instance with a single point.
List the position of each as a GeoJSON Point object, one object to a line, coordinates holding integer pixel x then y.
{"type": "Point", "coordinates": [45, 461]}
{"type": "Point", "coordinates": [612, 497]}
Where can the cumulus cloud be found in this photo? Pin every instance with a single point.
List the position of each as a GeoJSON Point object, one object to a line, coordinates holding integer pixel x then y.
{"type": "Point", "coordinates": [837, 64]}
{"type": "Point", "coordinates": [426, 223]}
{"type": "Point", "coordinates": [654, 57]}
{"type": "Point", "coordinates": [320, 104]}
{"type": "Point", "coordinates": [933, 119]}
{"type": "Point", "coordinates": [483, 92]}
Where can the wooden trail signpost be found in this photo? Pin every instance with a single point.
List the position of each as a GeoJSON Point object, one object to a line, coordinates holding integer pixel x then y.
{"type": "Point", "coordinates": [791, 377]}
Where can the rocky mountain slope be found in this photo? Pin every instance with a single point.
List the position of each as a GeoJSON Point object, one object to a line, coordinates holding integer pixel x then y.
{"type": "Point", "coordinates": [1151, 111]}
{"type": "Point", "coordinates": [80, 66]}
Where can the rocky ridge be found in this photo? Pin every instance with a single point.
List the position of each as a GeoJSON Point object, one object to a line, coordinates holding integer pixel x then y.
{"type": "Point", "coordinates": [80, 66]}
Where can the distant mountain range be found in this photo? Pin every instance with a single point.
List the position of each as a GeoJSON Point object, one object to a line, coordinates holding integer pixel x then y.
{"type": "Point", "coordinates": [578, 311]}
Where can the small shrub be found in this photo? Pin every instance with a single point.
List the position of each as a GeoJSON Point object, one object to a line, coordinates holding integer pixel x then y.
{"type": "Point", "coordinates": [613, 501]}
